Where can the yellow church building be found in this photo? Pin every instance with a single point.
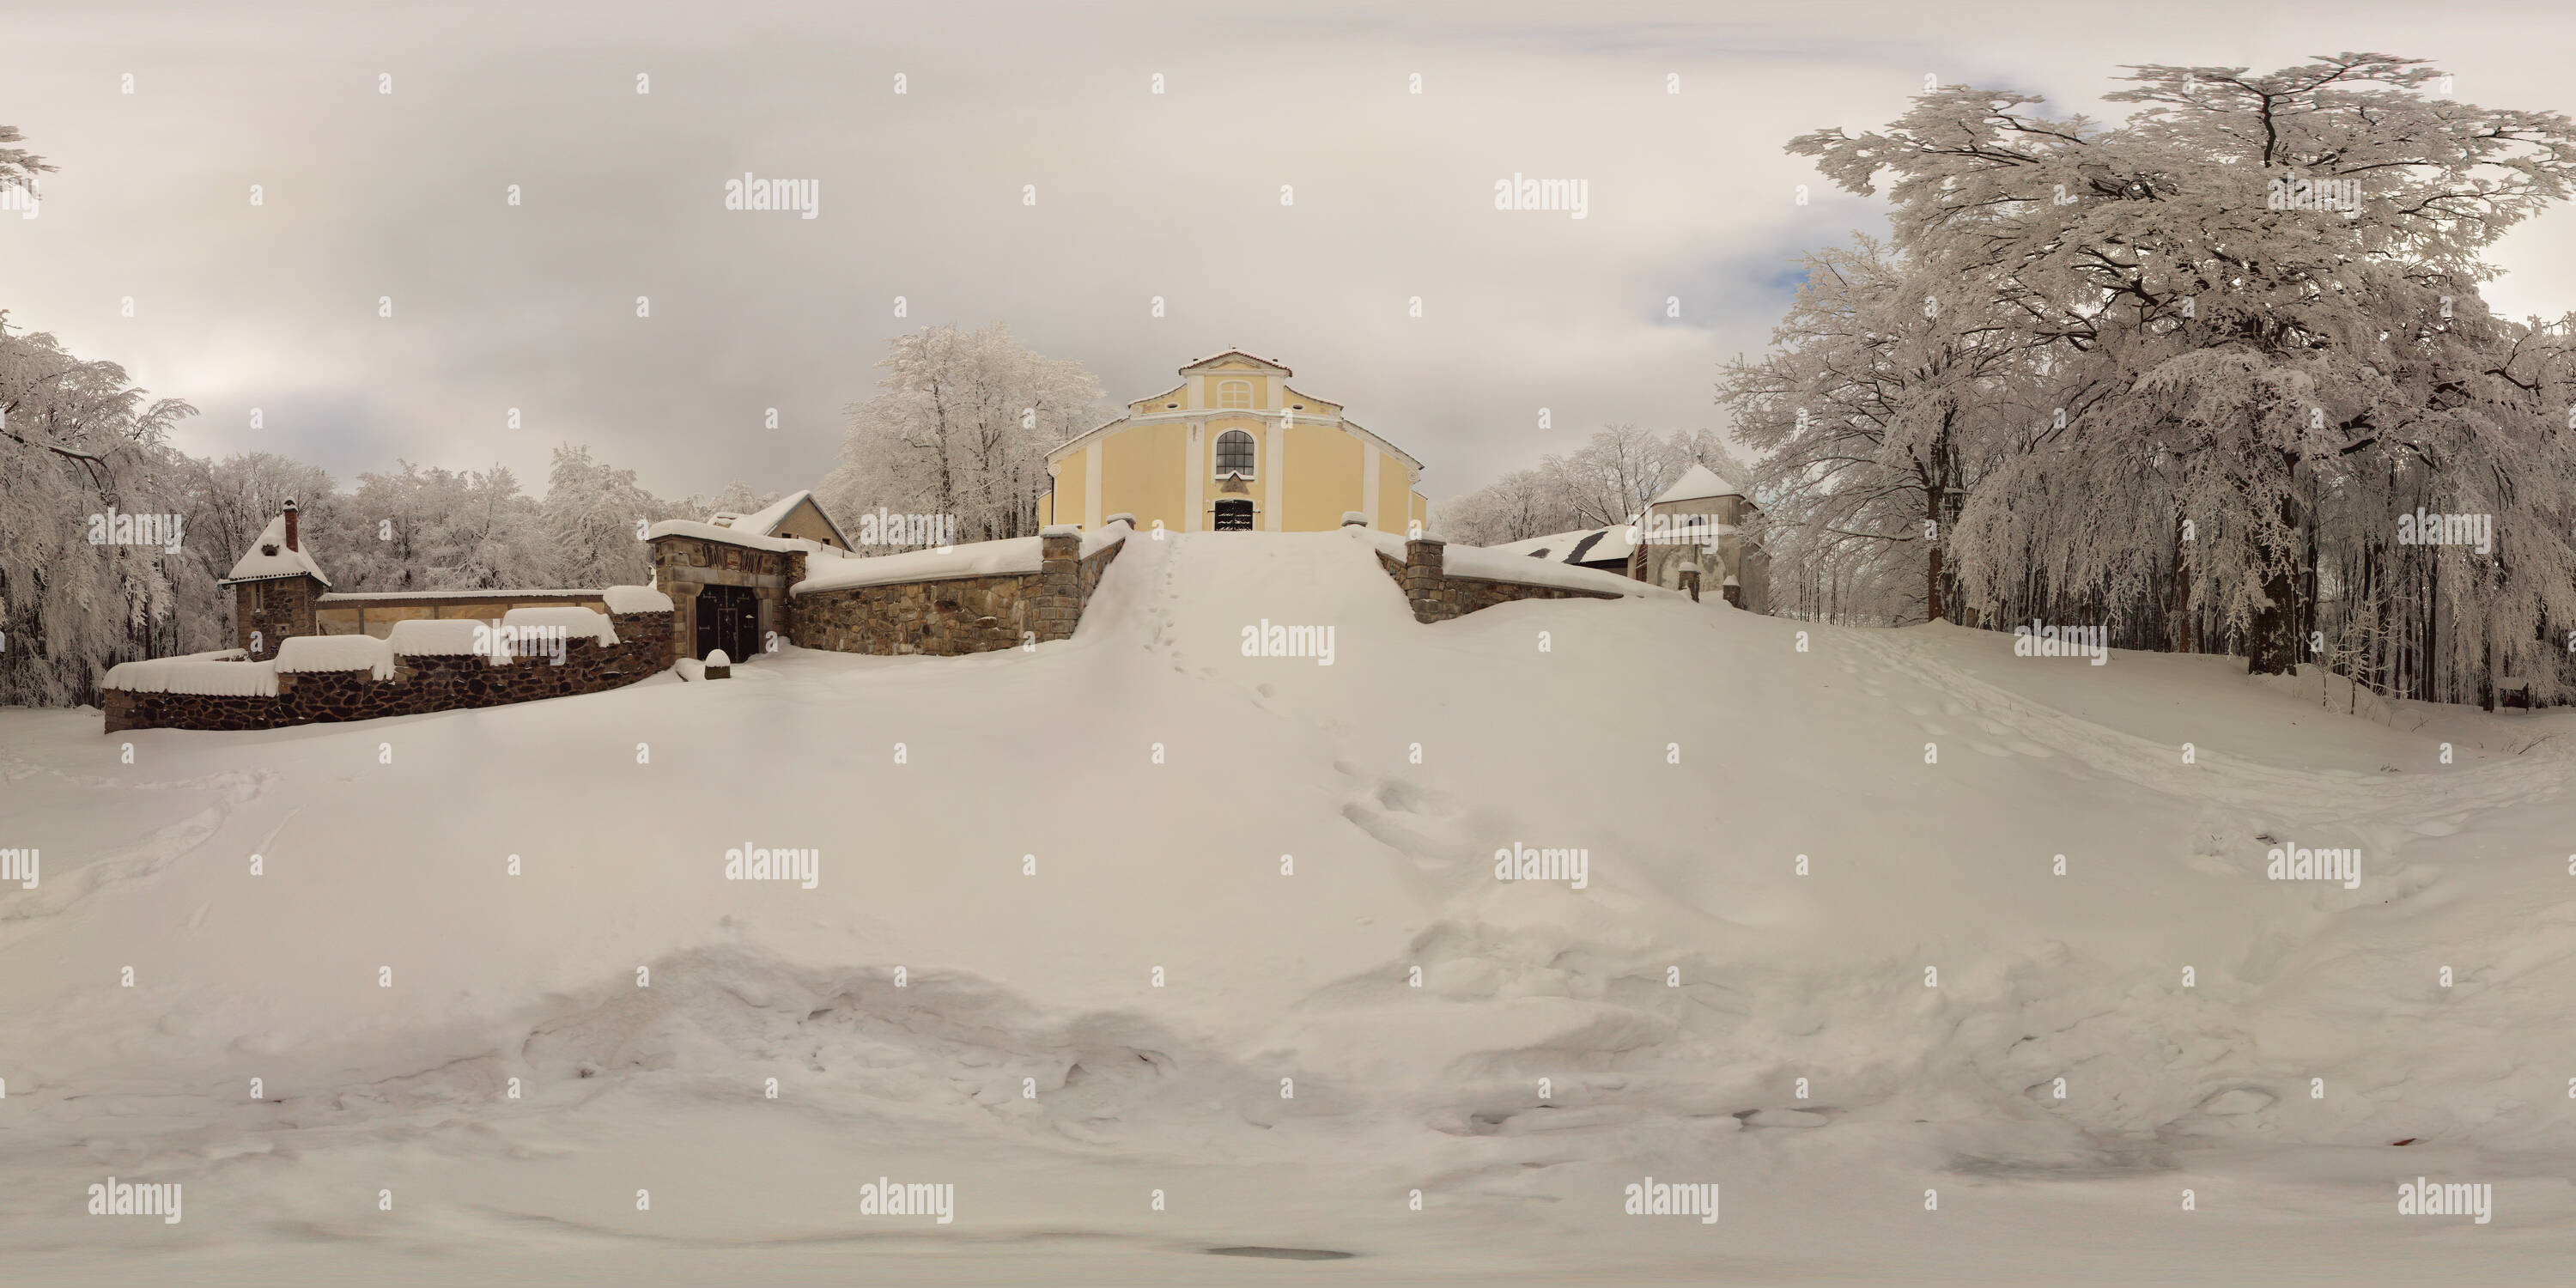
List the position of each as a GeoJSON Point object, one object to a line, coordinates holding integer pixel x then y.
{"type": "Point", "coordinates": [1234, 449]}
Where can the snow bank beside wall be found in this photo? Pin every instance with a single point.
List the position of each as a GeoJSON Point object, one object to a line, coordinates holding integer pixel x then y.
{"type": "Point", "coordinates": [320, 679]}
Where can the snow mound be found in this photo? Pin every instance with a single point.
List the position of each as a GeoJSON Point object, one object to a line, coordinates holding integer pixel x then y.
{"type": "Point", "coordinates": [579, 623]}
{"type": "Point", "coordinates": [222, 673]}
{"type": "Point", "coordinates": [636, 599]}
{"type": "Point", "coordinates": [425, 637]}
{"type": "Point", "coordinates": [303, 653]}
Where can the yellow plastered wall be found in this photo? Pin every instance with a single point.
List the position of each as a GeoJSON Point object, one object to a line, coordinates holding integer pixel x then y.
{"type": "Point", "coordinates": [1140, 474]}
{"type": "Point", "coordinates": [1067, 498]}
{"type": "Point", "coordinates": [1324, 465]}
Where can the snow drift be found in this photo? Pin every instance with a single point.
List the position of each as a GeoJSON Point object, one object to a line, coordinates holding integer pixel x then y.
{"type": "Point", "coordinates": [1139, 912]}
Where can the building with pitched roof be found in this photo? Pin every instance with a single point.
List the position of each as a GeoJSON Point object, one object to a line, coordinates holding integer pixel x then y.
{"type": "Point", "coordinates": [1234, 447]}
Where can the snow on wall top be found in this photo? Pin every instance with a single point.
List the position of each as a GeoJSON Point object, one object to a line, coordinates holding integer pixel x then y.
{"type": "Point", "coordinates": [1569, 547]}
{"type": "Point", "coordinates": [1493, 565]}
{"type": "Point", "coordinates": [1698, 483]}
{"type": "Point", "coordinates": [356, 596]}
{"type": "Point", "coordinates": [636, 599]}
{"type": "Point", "coordinates": [218, 674]}
{"type": "Point", "coordinates": [425, 637]}
{"type": "Point", "coordinates": [1105, 536]}
{"type": "Point", "coordinates": [301, 653]}
{"type": "Point", "coordinates": [1011, 555]}
{"type": "Point", "coordinates": [732, 536]}
{"type": "Point", "coordinates": [580, 623]}
{"type": "Point", "coordinates": [257, 564]}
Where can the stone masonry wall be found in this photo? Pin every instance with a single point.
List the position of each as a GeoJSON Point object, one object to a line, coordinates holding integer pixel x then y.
{"type": "Point", "coordinates": [1439, 597]}
{"type": "Point", "coordinates": [954, 616]}
{"type": "Point", "coordinates": [419, 685]}
{"type": "Point", "coordinates": [286, 610]}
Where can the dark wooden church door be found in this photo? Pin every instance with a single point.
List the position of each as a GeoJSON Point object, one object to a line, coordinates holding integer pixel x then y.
{"type": "Point", "coordinates": [1234, 516]}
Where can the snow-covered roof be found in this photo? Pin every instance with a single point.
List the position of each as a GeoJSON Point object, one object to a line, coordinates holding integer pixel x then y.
{"type": "Point", "coordinates": [765, 522]}
{"type": "Point", "coordinates": [1580, 546]}
{"type": "Point", "coordinates": [1698, 483]}
{"type": "Point", "coordinates": [268, 557]}
{"type": "Point", "coordinates": [731, 536]}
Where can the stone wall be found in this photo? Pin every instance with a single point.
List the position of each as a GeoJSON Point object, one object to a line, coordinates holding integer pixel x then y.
{"type": "Point", "coordinates": [285, 609]}
{"type": "Point", "coordinates": [375, 614]}
{"type": "Point", "coordinates": [1439, 597]}
{"type": "Point", "coordinates": [419, 685]}
{"type": "Point", "coordinates": [683, 563]}
{"type": "Point", "coordinates": [954, 616]}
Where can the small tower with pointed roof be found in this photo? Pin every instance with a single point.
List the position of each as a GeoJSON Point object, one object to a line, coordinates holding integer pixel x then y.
{"type": "Point", "coordinates": [276, 588]}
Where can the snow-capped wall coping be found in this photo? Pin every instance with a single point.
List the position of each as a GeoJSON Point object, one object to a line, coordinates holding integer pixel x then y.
{"type": "Point", "coordinates": [428, 637]}
{"type": "Point", "coordinates": [729, 536]}
{"type": "Point", "coordinates": [395, 596]}
{"type": "Point", "coordinates": [1117, 529]}
{"type": "Point", "coordinates": [222, 673]}
{"type": "Point", "coordinates": [301, 653]}
{"type": "Point", "coordinates": [580, 623]}
{"type": "Point", "coordinates": [1007, 557]}
{"type": "Point", "coordinates": [636, 599]}
{"type": "Point", "coordinates": [1478, 563]}
{"type": "Point", "coordinates": [1494, 565]}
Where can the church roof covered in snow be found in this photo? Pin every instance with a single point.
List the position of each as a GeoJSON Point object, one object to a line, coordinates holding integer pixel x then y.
{"type": "Point", "coordinates": [1698, 483]}
{"type": "Point", "coordinates": [268, 557]}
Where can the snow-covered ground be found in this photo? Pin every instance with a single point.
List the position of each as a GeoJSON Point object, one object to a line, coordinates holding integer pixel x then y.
{"type": "Point", "coordinates": [1061, 825]}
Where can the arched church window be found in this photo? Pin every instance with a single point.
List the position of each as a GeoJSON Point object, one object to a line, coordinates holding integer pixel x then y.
{"type": "Point", "coordinates": [1234, 453]}
{"type": "Point", "coordinates": [1234, 393]}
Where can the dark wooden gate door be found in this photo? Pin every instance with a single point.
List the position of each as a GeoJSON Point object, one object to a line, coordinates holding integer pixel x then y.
{"type": "Point", "coordinates": [710, 619]}
{"type": "Point", "coordinates": [728, 619]}
{"type": "Point", "coordinates": [746, 625]}
{"type": "Point", "coordinates": [1234, 516]}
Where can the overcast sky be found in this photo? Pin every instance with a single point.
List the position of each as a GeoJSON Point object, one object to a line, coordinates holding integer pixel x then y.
{"type": "Point", "coordinates": [403, 195]}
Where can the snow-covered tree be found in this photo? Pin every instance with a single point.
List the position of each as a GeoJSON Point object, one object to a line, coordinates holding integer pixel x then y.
{"type": "Point", "coordinates": [77, 440]}
{"type": "Point", "coordinates": [590, 518]}
{"type": "Point", "coordinates": [2242, 320]}
{"type": "Point", "coordinates": [961, 425]}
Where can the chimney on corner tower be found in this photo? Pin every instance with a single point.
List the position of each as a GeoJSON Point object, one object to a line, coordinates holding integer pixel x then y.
{"type": "Point", "coordinates": [290, 525]}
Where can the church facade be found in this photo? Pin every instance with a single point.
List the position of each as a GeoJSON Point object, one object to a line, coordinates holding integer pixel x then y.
{"type": "Point", "coordinates": [1234, 448]}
